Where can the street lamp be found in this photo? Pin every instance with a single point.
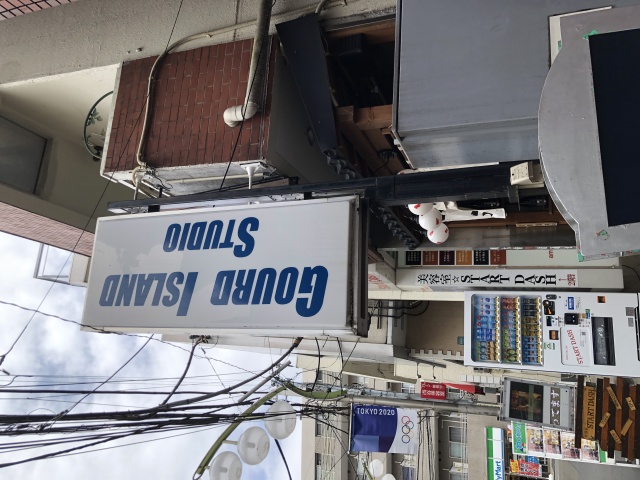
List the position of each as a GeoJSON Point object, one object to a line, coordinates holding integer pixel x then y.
{"type": "Point", "coordinates": [376, 467]}
{"type": "Point", "coordinates": [226, 466]}
{"type": "Point", "coordinates": [281, 420]}
{"type": "Point", "coordinates": [253, 446]}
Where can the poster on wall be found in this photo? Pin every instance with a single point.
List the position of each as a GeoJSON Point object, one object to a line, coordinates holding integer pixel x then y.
{"type": "Point", "coordinates": [376, 428]}
{"type": "Point", "coordinates": [519, 438]}
{"type": "Point", "coordinates": [525, 468]}
{"type": "Point", "coordinates": [589, 451]}
{"type": "Point", "coordinates": [552, 443]}
{"type": "Point", "coordinates": [530, 443]}
{"type": "Point", "coordinates": [569, 450]}
{"type": "Point", "coordinates": [535, 442]}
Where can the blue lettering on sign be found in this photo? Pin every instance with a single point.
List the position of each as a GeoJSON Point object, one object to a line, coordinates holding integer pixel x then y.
{"type": "Point", "coordinates": [307, 288]}
{"type": "Point", "coordinates": [498, 470]}
{"type": "Point", "coordinates": [570, 303]}
{"type": "Point", "coordinates": [120, 290]}
{"type": "Point", "coordinates": [207, 236]}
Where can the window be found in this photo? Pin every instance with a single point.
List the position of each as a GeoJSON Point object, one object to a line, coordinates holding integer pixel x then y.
{"type": "Point", "coordinates": [364, 381]}
{"type": "Point", "coordinates": [408, 388]}
{"type": "Point", "coordinates": [331, 379]}
{"type": "Point", "coordinates": [318, 466]}
{"type": "Point", "coordinates": [21, 156]}
{"type": "Point", "coordinates": [457, 448]}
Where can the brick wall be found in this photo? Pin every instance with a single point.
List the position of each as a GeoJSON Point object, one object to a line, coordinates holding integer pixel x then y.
{"type": "Point", "coordinates": [41, 229]}
{"type": "Point", "coordinates": [192, 90]}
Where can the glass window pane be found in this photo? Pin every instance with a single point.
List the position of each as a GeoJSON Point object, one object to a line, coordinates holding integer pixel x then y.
{"type": "Point", "coordinates": [21, 154]}
{"type": "Point", "coordinates": [457, 450]}
{"type": "Point", "coordinates": [455, 434]}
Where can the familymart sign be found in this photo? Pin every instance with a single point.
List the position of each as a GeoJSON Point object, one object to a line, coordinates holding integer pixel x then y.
{"type": "Point", "coordinates": [495, 453]}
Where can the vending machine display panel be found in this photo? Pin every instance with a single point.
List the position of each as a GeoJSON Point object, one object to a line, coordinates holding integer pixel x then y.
{"type": "Point", "coordinates": [573, 332]}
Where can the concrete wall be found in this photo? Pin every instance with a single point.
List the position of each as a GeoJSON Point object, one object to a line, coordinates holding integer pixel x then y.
{"type": "Point", "coordinates": [93, 33]}
{"type": "Point", "coordinates": [69, 183]}
{"type": "Point", "coordinates": [70, 187]}
{"type": "Point", "coordinates": [438, 328]}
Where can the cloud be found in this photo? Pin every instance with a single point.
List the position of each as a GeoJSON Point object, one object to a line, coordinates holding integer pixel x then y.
{"type": "Point", "coordinates": [58, 352]}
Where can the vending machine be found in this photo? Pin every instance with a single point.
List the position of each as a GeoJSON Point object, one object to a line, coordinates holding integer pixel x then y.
{"type": "Point", "coordinates": [577, 332]}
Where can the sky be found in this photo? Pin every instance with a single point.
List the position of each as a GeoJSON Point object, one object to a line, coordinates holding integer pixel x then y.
{"type": "Point", "coordinates": [50, 346]}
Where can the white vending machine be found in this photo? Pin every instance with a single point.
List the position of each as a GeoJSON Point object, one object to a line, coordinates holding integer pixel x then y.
{"type": "Point", "coordinates": [571, 332]}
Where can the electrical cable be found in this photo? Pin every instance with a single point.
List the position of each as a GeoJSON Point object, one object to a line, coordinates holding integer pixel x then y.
{"type": "Point", "coordinates": [84, 229]}
{"type": "Point", "coordinates": [65, 412]}
{"type": "Point", "coordinates": [633, 270]}
{"type": "Point", "coordinates": [284, 459]}
{"type": "Point", "coordinates": [146, 107]}
{"type": "Point", "coordinates": [341, 358]}
{"type": "Point", "coordinates": [184, 374]}
{"type": "Point", "coordinates": [100, 330]}
{"type": "Point", "coordinates": [420, 313]}
{"type": "Point", "coordinates": [318, 368]}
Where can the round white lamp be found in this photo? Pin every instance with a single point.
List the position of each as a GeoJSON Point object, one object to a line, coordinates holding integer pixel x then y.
{"type": "Point", "coordinates": [283, 422]}
{"type": "Point", "coordinates": [388, 476]}
{"type": "Point", "coordinates": [431, 219]}
{"type": "Point", "coordinates": [226, 466]}
{"type": "Point", "coordinates": [253, 445]}
{"type": "Point", "coordinates": [376, 467]}
{"type": "Point", "coordinates": [420, 208]}
{"type": "Point", "coordinates": [439, 234]}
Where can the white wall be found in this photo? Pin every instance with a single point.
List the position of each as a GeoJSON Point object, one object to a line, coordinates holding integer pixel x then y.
{"type": "Point", "coordinates": [70, 189]}
{"type": "Point", "coordinates": [93, 33]}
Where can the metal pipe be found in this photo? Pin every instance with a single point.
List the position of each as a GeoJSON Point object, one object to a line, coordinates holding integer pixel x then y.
{"type": "Point", "coordinates": [206, 179]}
{"type": "Point", "coordinates": [257, 70]}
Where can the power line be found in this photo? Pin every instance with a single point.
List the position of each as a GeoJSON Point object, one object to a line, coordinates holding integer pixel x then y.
{"type": "Point", "coordinates": [100, 330]}
{"type": "Point", "coordinates": [65, 412]}
{"type": "Point", "coordinates": [186, 368]}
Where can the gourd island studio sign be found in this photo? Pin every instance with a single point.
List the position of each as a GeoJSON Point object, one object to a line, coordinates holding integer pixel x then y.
{"type": "Point", "coordinates": [270, 266]}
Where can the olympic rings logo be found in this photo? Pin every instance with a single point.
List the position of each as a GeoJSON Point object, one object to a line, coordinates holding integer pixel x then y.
{"type": "Point", "coordinates": [407, 429]}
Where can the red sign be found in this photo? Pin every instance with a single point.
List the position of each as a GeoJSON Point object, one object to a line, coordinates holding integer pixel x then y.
{"type": "Point", "coordinates": [530, 469]}
{"type": "Point", "coordinates": [433, 391]}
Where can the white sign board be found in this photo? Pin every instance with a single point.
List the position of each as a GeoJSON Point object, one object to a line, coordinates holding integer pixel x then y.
{"type": "Point", "coordinates": [468, 278]}
{"type": "Point", "coordinates": [284, 266]}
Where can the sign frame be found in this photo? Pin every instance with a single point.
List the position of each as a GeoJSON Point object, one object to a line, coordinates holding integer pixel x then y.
{"type": "Point", "coordinates": [540, 398]}
{"type": "Point", "coordinates": [280, 237]}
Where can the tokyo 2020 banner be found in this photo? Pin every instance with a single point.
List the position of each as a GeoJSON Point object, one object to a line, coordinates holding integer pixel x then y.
{"type": "Point", "coordinates": [376, 428]}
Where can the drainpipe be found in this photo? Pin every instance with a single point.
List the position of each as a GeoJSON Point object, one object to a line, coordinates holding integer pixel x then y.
{"type": "Point", "coordinates": [259, 58]}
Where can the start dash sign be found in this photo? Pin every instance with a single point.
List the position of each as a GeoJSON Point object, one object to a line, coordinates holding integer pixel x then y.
{"type": "Point", "coordinates": [284, 266]}
{"type": "Point", "coordinates": [433, 391]}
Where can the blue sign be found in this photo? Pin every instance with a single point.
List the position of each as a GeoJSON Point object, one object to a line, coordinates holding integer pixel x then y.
{"type": "Point", "coordinates": [376, 428]}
